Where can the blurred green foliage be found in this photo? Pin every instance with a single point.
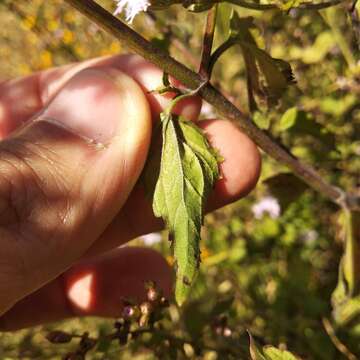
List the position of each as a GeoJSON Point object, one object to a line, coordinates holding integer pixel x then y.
{"type": "Point", "coordinates": [271, 275]}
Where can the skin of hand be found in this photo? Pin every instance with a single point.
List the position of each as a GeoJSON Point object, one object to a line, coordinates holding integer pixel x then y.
{"type": "Point", "coordinates": [74, 141]}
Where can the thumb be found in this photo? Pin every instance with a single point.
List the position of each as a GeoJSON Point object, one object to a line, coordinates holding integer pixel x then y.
{"type": "Point", "coordinates": [66, 174]}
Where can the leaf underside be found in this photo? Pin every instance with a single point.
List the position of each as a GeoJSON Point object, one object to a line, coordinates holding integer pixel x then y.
{"type": "Point", "coordinates": [268, 77]}
{"type": "Point", "coordinates": [188, 170]}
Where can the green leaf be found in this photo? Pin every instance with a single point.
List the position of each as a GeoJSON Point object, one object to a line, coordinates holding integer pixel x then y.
{"type": "Point", "coordinates": [272, 353]}
{"type": "Point", "coordinates": [349, 268]}
{"type": "Point", "coordinates": [269, 352]}
{"type": "Point", "coordinates": [351, 264]}
{"type": "Point", "coordinates": [223, 15]}
{"type": "Point", "coordinates": [346, 297]}
{"type": "Point", "coordinates": [208, 157]}
{"type": "Point", "coordinates": [347, 311]}
{"type": "Point", "coordinates": [288, 119]}
{"type": "Point", "coordinates": [239, 29]}
{"type": "Point", "coordinates": [261, 120]}
{"type": "Point", "coordinates": [287, 5]}
{"type": "Point", "coordinates": [276, 73]}
{"type": "Point", "coordinates": [313, 54]}
{"type": "Point", "coordinates": [255, 352]}
{"type": "Point", "coordinates": [188, 171]}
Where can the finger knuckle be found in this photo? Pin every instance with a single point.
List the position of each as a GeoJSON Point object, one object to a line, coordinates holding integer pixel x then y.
{"type": "Point", "coordinates": [28, 181]}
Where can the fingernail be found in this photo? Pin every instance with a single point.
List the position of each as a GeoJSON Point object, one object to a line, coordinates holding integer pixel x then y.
{"type": "Point", "coordinates": [89, 104]}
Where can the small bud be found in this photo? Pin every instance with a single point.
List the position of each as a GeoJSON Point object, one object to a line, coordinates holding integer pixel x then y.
{"type": "Point", "coordinates": [59, 337]}
{"type": "Point", "coordinates": [131, 312]}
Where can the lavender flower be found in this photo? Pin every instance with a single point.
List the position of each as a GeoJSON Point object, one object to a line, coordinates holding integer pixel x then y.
{"type": "Point", "coordinates": [131, 8]}
{"type": "Point", "coordinates": [267, 204]}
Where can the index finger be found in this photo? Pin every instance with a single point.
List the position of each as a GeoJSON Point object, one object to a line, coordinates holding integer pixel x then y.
{"type": "Point", "coordinates": [21, 98]}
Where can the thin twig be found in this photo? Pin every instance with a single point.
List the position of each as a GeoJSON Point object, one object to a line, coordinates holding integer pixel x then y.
{"type": "Point", "coordinates": [208, 43]}
{"type": "Point", "coordinates": [336, 341]}
{"type": "Point", "coordinates": [331, 18]}
{"type": "Point", "coordinates": [185, 53]}
{"type": "Point", "coordinates": [175, 42]}
{"type": "Point", "coordinates": [262, 7]}
{"type": "Point", "coordinates": [219, 51]}
{"type": "Point", "coordinates": [136, 43]}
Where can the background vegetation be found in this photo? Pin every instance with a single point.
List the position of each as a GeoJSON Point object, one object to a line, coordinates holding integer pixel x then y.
{"type": "Point", "coordinates": [270, 271]}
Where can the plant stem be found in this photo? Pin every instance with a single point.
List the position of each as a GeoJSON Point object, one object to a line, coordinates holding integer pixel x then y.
{"type": "Point", "coordinates": [336, 341]}
{"type": "Point", "coordinates": [208, 43]}
{"type": "Point", "coordinates": [175, 42]}
{"type": "Point", "coordinates": [262, 7]}
{"type": "Point", "coordinates": [192, 80]}
{"type": "Point", "coordinates": [188, 56]}
{"type": "Point", "coordinates": [219, 51]}
{"type": "Point", "coordinates": [332, 20]}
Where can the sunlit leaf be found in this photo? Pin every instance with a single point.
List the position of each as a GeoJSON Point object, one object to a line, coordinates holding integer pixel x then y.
{"type": "Point", "coordinates": [287, 5]}
{"type": "Point", "coordinates": [351, 263]}
{"type": "Point", "coordinates": [269, 352]}
{"type": "Point", "coordinates": [347, 311]}
{"type": "Point", "coordinates": [288, 119]}
{"type": "Point", "coordinates": [323, 44]}
{"type": "Point", "coordinates": [272, 353]}
{"type": "Point", "coordinates": [261, 120]}
{"type": "Point", "coordinates": [188, 171]}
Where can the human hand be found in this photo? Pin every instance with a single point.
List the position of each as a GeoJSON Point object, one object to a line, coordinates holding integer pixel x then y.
{"type": "Point", "coordinates": [74, 143]}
